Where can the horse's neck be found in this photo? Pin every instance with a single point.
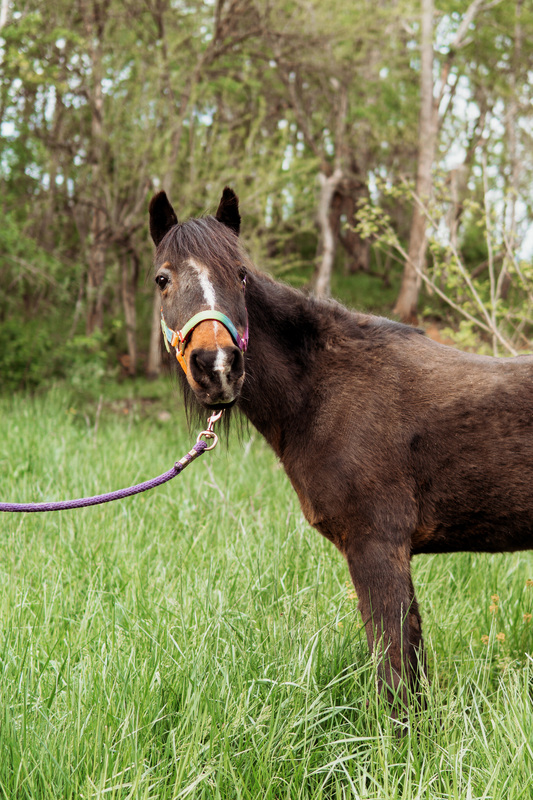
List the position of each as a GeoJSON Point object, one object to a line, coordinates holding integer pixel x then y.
{"type": "Point", "coordinates": [283, 347]}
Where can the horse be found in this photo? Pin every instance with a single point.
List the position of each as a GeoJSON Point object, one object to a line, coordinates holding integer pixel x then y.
{"type": "Point", "coordinates": [395, 444]}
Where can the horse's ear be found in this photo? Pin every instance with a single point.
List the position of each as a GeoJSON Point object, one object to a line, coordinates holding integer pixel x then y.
{"type": "Point", "coordinates": [228, 210]}
{"type": "Point", "coordinates": [162, 217]}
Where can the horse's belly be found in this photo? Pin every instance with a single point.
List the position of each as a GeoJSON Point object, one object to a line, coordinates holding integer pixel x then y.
{"type": "Point", "coordinates": [475, 533]}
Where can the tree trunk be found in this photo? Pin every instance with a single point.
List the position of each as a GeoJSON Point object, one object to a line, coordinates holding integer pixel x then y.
{"type": "Point", "coordinates": [94, 26]}
{"type": "Point", "coordinates": [129, 266]}
{"type": "Point", "coordinates": [96, 273]}
{"type": "Point", "coordinates": [512, 127]}
{"type": "Point", "coordinates": [344, 207]}
{"type": "Point", "coordinates": [4, 13]}
{"type": "Point", "coordinates": [429, 124]}
{"type": "Point", "coordinates": [459, 176]}
{"type": "Point", "coordinates": [328, 186]}
{"type": "Point", "coordinates": [153, 367]}
{"type": "Point", "coordinates": [47, 231]}
{"type": "Point", "coordinates": [406, 304]}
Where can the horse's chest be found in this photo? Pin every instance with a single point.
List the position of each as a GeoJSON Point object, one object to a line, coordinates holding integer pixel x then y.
{"type": "Point", "coordinates": [319, 505]}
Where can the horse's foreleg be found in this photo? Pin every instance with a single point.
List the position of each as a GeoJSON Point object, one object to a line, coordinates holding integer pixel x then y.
{"type": "Point", "coordinates": [382, 578]}
{"type": "Point", "coordinates": [417, 654]}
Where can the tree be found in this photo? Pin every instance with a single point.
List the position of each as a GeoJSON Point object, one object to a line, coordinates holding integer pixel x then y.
{"type": "Point", "coordinates": [333, 71]}
{"type": "Point", "coordinates": [436, 102]}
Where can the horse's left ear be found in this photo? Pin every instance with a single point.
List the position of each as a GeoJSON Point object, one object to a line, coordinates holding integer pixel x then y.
{"type": "Point", "coordinates": [228, 210]}
{"type": "Point", "coordinates": [162, 217]}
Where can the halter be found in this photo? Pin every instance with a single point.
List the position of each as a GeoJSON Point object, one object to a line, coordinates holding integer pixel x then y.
{"type": "Point", "coordinates": [179, 339]}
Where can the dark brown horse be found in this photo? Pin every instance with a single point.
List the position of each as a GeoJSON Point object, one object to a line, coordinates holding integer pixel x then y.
{"type": "Point", "coordinates": [395, 445]}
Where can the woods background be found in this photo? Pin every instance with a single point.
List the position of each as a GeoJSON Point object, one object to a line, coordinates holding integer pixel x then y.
{"type": "Point", "coordinates": [383, 152]}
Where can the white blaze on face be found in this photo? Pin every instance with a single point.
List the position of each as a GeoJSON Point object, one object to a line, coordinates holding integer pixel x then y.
{"type": "Point", "coordinates": [205, 283]}
{"type": "Point", "coordinates": [220, 364]}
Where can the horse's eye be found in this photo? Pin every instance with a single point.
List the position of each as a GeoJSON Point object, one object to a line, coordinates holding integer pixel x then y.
{"type": "Point", "coordinates": [161, 281]}
{"type": "Point", "coordinates": [242, 273]}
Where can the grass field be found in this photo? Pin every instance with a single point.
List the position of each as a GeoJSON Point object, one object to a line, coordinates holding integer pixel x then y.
{"type": "Point", "coordinates": [200, 641]}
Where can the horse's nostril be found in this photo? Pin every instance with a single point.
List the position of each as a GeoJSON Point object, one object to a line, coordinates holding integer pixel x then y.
{"type": "Point", "coordinates": [198, 360]}
{"type": "Point", "coordinates": [201, 366]}
{"type": "Point", "coordinates": [236, 364]}
{"type": "Point", "coordinates": [231, 359]}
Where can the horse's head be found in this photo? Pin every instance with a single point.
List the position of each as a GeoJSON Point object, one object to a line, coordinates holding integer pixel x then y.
{"type": "Point", "coordinates": [200, 269]}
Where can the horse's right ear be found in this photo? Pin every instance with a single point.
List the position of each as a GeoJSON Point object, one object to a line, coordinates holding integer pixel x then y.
{"type": "Point", "coordinates": [228, 210]}
{"type": "Point", "coordinates": [162, 217]}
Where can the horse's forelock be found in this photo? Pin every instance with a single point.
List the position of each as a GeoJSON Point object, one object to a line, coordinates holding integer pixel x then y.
{"type": "Point", "coordinates": [205, 241]}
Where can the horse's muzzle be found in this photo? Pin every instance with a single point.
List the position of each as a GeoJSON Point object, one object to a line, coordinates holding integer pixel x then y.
{"type": "Point", "coordinates": [217, 375]}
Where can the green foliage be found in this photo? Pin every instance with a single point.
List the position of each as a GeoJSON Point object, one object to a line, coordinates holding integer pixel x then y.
{"type": "Point", "coordinates": [32, 355]}
{"type": "Point", "coordinates": [473, 240]}
{"type": "Point", "coordinates": [86, 362]}
{"type": "Point", "coordinates": [498, 302]}
{"type": "Point", "coordinates": [27, 269]}
{"type": "Point", "coordinates": [366, 292]}
{"type": "Point", "coordinates": [26, 356]}
{"type": "Point", "coordinates": [466, 336]}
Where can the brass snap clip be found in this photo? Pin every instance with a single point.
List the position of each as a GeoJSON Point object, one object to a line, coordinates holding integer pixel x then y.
{"type": "Point", "coordinates": [209, 432]}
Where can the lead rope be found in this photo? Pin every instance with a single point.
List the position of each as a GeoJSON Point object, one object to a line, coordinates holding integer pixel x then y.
{"type": "Point", "coordinates": [200, 447]}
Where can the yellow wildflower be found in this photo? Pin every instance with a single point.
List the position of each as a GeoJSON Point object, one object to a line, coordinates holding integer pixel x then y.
{"type": "Point", "coordinates": [495, 598]}
{"type": "Point", "coordinates": [493, 609]}
{"type": "Point", "coordinates": [500, 637]}
{"type": "Point", "coordinates": [485, 639]}
{"type": "Point", "coordinates": [527, 617]}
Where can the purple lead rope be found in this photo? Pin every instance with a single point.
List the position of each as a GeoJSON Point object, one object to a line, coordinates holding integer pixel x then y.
{"type": "Point", "coordinates": [82, 502]}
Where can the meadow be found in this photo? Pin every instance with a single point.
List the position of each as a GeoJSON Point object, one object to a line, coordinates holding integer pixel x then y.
{"type": "Point", "coordinates": [201, 640]}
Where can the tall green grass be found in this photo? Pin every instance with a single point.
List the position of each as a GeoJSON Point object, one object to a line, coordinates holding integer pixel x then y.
{"type": "Point", "coordinates": [200, 641]}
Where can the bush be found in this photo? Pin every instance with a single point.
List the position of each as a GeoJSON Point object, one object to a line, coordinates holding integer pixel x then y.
{"type": "Point", "coordinates": [33, 354]}
{"type": "Point", "coordinates": [85, 362]}
{"type": "Point", "coordinates": [27, 355]}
